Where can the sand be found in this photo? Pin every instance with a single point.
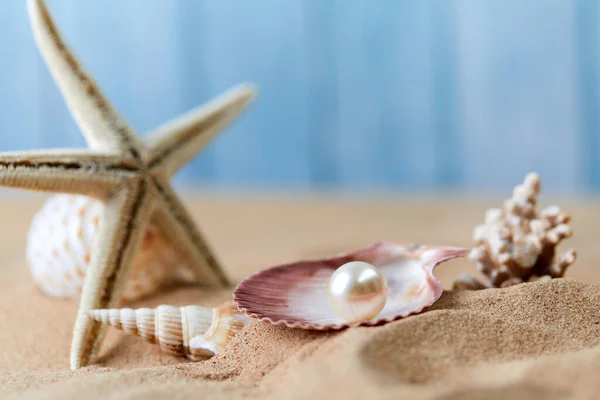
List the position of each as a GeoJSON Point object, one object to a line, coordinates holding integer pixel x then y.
{"type": "Point", "coordinates": [536, 340]}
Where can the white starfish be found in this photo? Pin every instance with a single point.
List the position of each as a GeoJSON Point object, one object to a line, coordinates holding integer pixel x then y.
{"type": "Point", "coordinates": [130, 176]}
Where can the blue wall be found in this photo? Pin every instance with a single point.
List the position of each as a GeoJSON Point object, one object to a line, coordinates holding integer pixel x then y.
{"type": "Point", "coordinates": [393, 95]}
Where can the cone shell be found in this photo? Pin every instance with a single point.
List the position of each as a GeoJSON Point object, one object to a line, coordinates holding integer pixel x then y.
{"type": "Point", "coordinates": [192, 331]}
{"type": "Point", "coordinates": [295, 295]}
{"type": "Point", "coordinates": [60, 242]}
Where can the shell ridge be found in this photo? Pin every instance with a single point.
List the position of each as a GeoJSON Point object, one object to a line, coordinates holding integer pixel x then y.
{"type": "Point", "coordinates": [169, 330]}
{"type": "Point", "coordinates": [185, 328]}
{"type": "Point", "coordinates": [145, 323]}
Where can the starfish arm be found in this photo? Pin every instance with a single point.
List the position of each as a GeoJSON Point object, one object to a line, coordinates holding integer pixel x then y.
{"type": "Point", "coordinates": [67, 171]}
{"type": "Point", "coordinates": [100, 123]}
{"type": "Point", "coordinates": [174, 143]}
{"type": "Point", "coordinates": [70, 158]}
{"type": "Point", "coordinates": [116, 242]}
{"type": "Point", "coordinates": [173, 218]}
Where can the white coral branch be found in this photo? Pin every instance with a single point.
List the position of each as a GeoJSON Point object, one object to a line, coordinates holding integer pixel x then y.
{"type": "Point", "coordinates": [517, 244]}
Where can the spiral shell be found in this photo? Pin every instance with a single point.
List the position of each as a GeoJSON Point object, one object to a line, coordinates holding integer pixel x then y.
{"type": "Point", "coordinates": [192, 331]}
{"type": "Point", "coordinates": [60, 242]}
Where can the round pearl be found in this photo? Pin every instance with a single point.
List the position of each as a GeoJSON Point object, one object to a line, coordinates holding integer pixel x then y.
{"type": "Point", "coordinates": [357, 291]}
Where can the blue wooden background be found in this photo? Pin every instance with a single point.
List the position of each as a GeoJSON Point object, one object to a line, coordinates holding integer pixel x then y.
{"type": "Point", "coordinates": [354, 95]}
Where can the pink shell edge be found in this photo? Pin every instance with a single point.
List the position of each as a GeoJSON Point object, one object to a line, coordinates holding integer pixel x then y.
{"type": "Point", "coordinates": [457, 252]}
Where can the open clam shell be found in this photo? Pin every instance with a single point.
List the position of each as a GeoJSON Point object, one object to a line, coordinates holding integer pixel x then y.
{"type": "Point", "coordinates": [295, 295]}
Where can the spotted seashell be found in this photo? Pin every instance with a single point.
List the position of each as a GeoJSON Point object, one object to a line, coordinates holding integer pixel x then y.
{"type": "Point", "coordinates": [192, 331]}
{"type": "Point", "coordinates": [295, 294]}
{"type": "Point", "coordinates": [60, 244]}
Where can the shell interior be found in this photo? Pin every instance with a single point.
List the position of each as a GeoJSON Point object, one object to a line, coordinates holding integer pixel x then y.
{"type": "Point", "coordinates": [295, 295]}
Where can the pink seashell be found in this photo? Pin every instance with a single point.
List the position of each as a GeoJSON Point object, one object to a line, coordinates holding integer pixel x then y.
{"type": "Point", "coordinates": [295, 295]}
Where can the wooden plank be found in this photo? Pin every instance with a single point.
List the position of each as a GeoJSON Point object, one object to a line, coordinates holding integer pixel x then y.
{"type": "Point", "coordinates": [150, 61]}
{"type": "Point", "coordinates": [517, 93]}
{"type": "Point", "coordinates": [269, 145]}
{"type": "Point", "coordinates": [385, 95]}
{"type": "Point", "coordinates": [323, 101]}
{"type": "Point", "coordinates": [194, 84]}
{"type": "Point", "coordinates": [19, 88]}
{"type": "Point", "coordinates": [449, 167]}
{"type": "Point", "coordinates": [587, 50]}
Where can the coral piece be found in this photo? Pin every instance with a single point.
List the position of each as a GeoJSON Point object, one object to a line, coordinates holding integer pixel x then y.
{"type": "Point", "coordinates": [192, 331]}
{"type": "Point", "coordinates": [129, 175]}
{"type": "Point", "coordinates": [60, 244]}
{"type": "Point", "coordinates": [517, 244]}
{"type": "Point", "coordinates": [295, 295]}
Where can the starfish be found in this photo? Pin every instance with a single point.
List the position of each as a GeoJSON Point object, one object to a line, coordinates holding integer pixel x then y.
{"type": "Point", "coordinates": [129, 175]}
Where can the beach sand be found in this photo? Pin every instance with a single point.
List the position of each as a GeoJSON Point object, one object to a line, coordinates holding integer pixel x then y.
{"type": "Point", "coordinates": [531, 341]}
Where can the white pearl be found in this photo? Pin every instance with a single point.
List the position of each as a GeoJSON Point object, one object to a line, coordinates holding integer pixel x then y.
{"type": "Point", "coordinates": [357, 291]}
